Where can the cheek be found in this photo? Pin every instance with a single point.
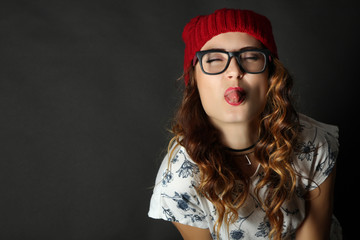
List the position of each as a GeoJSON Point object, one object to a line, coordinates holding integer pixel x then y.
{"type": "Point", "coordinates": [205, 93]}
{"type": "Point", "coordinates": [259, 94]}
{"type": "Point", "coordinates": [263, 95]}
{"type": "Point", "coordinates": [208, 88]}
{"type": "Point", "coordinates": [261, 83]}
{"type": "Point", "coordinates": [264, 89]}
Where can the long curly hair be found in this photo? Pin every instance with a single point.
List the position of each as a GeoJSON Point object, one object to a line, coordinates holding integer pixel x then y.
{"type": "Point", "coordinates": [218, 176]}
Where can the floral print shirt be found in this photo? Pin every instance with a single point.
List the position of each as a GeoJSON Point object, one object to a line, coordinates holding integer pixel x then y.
{"type": "Point", "coordinates": [175, 198]}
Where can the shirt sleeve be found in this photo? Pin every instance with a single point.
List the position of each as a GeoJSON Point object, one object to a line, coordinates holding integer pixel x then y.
{"type": "Point", "coordinates": [316, 152]}
{"type": "Point", "coordinates": [174, 197]}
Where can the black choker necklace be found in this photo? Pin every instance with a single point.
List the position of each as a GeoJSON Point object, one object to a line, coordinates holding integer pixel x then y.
{"type": "Point", "coordinates": [241, 150]}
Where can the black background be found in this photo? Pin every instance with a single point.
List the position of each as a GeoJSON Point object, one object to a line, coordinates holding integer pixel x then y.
{"type": "Point", "coordinates": [88, 88]}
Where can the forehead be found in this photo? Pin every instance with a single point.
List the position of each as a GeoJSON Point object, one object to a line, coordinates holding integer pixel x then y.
{"type": "Point", "coordinates": [232, 41]}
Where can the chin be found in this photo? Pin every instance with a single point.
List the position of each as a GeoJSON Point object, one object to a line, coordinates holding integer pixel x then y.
{"type": "Point", "coordinates": [238, 119]}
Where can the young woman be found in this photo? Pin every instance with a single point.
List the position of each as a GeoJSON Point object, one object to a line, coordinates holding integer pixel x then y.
{"type": "Point", "coordinates": [243, 164]}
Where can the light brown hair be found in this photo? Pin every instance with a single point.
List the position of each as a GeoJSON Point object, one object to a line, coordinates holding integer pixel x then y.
{"type": "Point", "coordinates": [218, 176]}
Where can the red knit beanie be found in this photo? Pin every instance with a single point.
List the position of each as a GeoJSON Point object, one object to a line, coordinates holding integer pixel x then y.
{"type": "Point", "coordinates": [202, 28]}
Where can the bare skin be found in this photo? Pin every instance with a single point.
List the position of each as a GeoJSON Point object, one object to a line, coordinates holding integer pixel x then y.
{"type": "Point", "coordinates": [239, 128]}
{"type": "Point", "coordinates": [238, 124]}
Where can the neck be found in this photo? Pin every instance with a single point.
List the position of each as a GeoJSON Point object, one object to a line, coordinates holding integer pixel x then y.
{"type": "Point", "coordinates": [239, 136]}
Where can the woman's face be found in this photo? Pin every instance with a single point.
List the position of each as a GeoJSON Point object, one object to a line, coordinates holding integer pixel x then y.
{"type": "Point", "coordinates": [232, 97]}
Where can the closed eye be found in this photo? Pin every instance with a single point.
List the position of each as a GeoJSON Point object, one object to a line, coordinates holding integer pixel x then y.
{"type": "Point", "coordinates": [255, 58]}
{"type": "Point", "coordinates": [214, 60]}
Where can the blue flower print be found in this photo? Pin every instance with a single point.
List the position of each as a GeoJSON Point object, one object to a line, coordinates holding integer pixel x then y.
{"type": "Point", "coordinates": [193, 184]}
{"type": "Point", "coordinates": [330, 160]}
{"type": "Point", "coordinates": [306, 151]}
{"type": "Point", "coordinates": [301, 128]}
{"type": "Point", "coordinates": [329, 169]}
{"type": "Point", "coordinates": [167, 178]}
{"type": "Point", "coordinates": [169, 215]}
{"type": "Point", "coordinates": [182, 201]}
{"type": "Point", "coordinates": [195, 217]}
{"type": "Point", "coordinates": [264, 229]}
{"type": "Point", "coordinates": [237, 234]}
{"type": "Point", "coordinates": [176, 158]}
{"type": "Point", "coordinates": [213, 236]}
{"type": "Point", "coordinates": [187, 169]}
{"type": "Point", "coordinates": [290, 212]}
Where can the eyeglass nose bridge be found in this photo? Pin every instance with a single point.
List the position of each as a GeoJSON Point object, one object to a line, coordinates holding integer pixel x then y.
{"type": "Point", "coordinates": [237, 57]}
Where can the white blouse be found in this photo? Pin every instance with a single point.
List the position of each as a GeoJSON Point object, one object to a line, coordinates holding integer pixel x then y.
{"type": "Point", "coordinates": [175, 198]}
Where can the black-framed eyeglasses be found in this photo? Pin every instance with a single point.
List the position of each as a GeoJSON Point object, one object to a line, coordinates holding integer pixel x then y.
{"type": "Point", "coordinates": [214, 62]}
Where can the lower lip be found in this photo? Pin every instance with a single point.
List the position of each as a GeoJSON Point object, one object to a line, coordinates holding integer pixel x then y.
{"type": "Point", "coordinates": [235, 104]}
{"type": "Point", "coordinates": [242, 97]}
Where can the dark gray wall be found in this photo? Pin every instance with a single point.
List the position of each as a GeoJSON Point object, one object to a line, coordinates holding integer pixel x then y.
{"type": "Point", "coordinates": [87, 90]}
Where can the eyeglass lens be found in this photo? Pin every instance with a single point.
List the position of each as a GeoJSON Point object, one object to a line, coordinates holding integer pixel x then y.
{"type": "Point", "coordinates": [217, 62]}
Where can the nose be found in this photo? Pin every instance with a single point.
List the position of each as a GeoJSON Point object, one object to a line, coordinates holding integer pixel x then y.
{"type": "Point", "coordinates": [233, 71]}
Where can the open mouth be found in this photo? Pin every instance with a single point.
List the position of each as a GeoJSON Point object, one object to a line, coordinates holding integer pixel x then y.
{"type": "Point", "coordinates": [235, 96]}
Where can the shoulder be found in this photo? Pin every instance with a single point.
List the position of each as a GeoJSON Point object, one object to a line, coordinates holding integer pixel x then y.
{"type": "Point", "coordinates": [316, 150]}
{"type": "Point", "coordinates": [311, 125]}
{"type": "Point", "coordinates": [175, 197]}
{"type": "Point", "coordinates": [178, 170]}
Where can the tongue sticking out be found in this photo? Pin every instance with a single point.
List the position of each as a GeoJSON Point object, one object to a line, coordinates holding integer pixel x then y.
{"type": "Point", "coordinates": [235, 96]}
